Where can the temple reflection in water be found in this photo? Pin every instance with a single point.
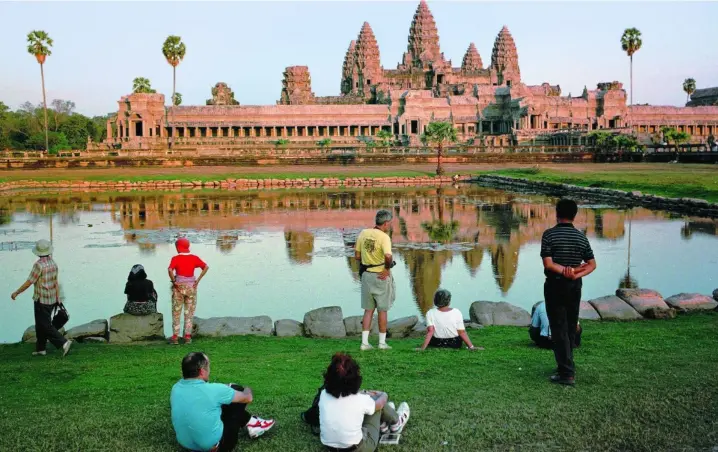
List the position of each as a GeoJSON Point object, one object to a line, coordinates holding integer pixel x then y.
{"type": "Point", "coordinates": [470, 223]}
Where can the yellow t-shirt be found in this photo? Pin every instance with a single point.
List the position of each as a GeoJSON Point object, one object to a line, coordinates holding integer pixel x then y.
{"type": "Point", "coordinates": [373, 244]}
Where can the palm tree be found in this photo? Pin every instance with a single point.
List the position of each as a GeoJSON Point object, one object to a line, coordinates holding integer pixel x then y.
{"type": "Point", "coordinates": [142, 85]}
{"type": "Point", "coordinates": [631, 43]}
{"type": "Point", "coordinates": [174, 50]}
{"type": "Point", "coordinates": [39, 43]}
{"type": "Point", "coordinates": [439, 133]}
{"type": "Point", "coordinates": [689, 86]}
{"type": "Point", "coordinates": [177, 99]}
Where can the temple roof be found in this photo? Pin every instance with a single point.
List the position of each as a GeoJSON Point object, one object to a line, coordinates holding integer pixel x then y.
{"type": "Point", "coordinates": [472, 59]}
{"type": "Point", "coordinates": [705, 92]}
{"type": "Point", "coordinates": [367, 49]}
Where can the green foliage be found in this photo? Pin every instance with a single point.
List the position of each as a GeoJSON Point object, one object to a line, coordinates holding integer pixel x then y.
{"type": "Point", "coordinates": [142, 85]}
{"type": "Point", "coordinates": [631, 41]}
{"type": "Point", "coordinates": [23, 129]}
{"type": "Point", "coordinates": [711, 140]}
{"type": "Point", "coordinates": [671, 135]}
{"type": "Point", "coordinates": [281, 142]}
{"type": "Point", "coordinates": [439, 133]}
{"type": "Point", "coordinates": [689, 86]}
{"type": "Point", "coordinates": [177, 100]}
{"type": "Point", "coordinates": [385, 137]}
{"type": "Point", "coordinates": [61, 144]}
{"type": "Point", "coordinates": [324, 143]}
{"type": "Point", "coordinates": [606, 141]}
{"type": "Point", "coordinates": [39, 43]}
{"type": "Point", "coordinates": [174, 50]}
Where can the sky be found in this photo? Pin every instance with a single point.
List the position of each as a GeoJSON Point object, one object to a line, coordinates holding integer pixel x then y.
{"type": "Point", "coordinates": [100, 47]}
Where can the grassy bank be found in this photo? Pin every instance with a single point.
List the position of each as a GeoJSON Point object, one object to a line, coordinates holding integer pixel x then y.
{"type": "Point", "coordinates": [649, 385]}
{"type": "Point", "coordinates": [675, 181]}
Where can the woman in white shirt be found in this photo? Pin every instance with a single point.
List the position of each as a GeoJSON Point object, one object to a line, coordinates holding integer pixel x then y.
{"type": "Point", "coordinates": [350, 419]}
{"type": "Point", "coordinates": [445, 325]}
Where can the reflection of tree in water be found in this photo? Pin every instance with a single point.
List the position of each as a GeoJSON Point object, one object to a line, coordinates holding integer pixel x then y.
{"type": "Point", "coordinates": [300, 245]}
{"type": "Point", "coordinates": [439, 231]}
{"type": "Point", "coordinates": [628, 281]}
{"type": "Point", "coordinates": [503, 218]}
{"type": "Point", "coordinates": [227, 242]}
{"type": "Point", "coordinates": [707, 227]}
{"type": "Point", "coordinates": [598, 223]}
{"type": "Point", "coordinates": [425, 268]}
{"type": "Point", "coordinates": [353, 266]}
{"type": "Point", "coordinates": [5, 217]}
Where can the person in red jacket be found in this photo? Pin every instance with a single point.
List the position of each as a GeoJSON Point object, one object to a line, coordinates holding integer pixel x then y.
{"type": "Point", "coordinates": [184, 288]}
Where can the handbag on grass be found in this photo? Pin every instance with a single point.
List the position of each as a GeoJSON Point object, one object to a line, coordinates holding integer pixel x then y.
{"type": "Point", "coordinates": [60, 317]}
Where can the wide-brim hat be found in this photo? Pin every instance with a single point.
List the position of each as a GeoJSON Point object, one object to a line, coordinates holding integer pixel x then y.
{"type": "Point", "coordinates": [42, 248]}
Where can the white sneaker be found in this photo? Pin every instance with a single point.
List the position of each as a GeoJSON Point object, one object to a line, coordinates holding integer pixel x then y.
{"type": "Point", "coordinates": [365, 347]}
{"type": "Point", "coordinates": [257, 426]}
{"type": "Point", "coordinates": [392, 405]}
{"type": "Point", "coordinates": [42, 353]}
{"type": "Point", "coordinates": [384, 346]}
{"type": "Point", "coordinates": [403, 413]}
{"type": "Point", "coordinates": [66, 348]}
{"type": "Point", "coordinates": [383, 428]}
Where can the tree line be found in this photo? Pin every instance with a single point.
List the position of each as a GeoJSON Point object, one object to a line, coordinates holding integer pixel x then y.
{"type": "Point", "coordinates": [24, 128]}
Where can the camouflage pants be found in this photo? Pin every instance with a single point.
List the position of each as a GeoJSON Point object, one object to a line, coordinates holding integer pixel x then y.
{"type": "Point", "coordinates": [183, 295]}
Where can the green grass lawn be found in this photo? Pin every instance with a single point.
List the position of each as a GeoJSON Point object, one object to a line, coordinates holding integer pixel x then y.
{"type": "Point", "coordinates": [649, 385]}
{"type": "Point", "coordinates": [675, 181]}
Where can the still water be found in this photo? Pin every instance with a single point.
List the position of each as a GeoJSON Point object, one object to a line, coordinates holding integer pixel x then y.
{"type": "Point", "coordinates": [282, 253]}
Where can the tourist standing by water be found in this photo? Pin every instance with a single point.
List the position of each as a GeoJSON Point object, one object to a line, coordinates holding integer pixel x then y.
{"type": "Point", "coordinates": [184, 288]}
{"type": "Point", "coordinates": [46, 296]}
{"type": "Point", "coordinates": [567, 257]}
{"type": "Point", "coordinates": [378, 290]}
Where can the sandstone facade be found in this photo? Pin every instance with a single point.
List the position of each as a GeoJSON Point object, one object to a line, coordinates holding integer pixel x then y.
{"type": "Point", "coordinates": [490, 106]}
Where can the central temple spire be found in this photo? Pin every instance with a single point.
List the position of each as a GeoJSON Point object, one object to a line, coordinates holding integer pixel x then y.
{"type": "Point", "coordinates": [423, 46]}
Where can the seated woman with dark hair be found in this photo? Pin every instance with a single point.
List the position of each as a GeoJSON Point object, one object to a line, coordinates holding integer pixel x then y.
{"type": "Point", "coordinates": [350, 419]}
{"type": "Point", "coordinates": [141, 294]}
{"type": "Point", "coordinates": [445, 325]}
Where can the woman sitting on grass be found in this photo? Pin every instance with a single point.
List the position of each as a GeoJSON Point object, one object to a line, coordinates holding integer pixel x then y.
{"type": "Point", "coordinates": [445, 325]}
{"type": "Point", "coordinates": [350, 419]}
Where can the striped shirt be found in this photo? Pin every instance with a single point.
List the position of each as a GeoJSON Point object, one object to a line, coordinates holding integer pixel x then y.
{"type": "Point", "coordinates": [566, 246]}
{"type": "Point", "coordinates": [44, 277]}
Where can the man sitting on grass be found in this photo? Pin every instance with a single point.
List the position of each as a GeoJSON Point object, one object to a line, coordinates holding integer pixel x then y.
{"type": "Point", "coordinates": [208, 416]}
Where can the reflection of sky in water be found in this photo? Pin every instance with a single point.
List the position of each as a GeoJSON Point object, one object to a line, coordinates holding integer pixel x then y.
{"type": "Point", "coordinates": [284, 253]}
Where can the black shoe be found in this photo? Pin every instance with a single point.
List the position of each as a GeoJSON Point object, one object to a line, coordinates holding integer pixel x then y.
{"type": "Point", "coordinates": [558, 379]}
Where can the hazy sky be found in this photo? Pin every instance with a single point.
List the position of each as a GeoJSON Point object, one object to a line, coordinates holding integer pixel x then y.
{"type": "Point", "coordinates": [101, 46]}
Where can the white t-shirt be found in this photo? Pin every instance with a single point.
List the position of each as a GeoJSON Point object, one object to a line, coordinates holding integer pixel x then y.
{"type": "Point", "coordinates": [340, 420]}
{"type": "Point", "coordinates": [446, 323]}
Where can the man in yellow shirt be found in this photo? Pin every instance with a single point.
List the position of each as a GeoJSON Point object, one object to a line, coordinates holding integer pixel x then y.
{"type": "Point", "coordinates": [378, 291]}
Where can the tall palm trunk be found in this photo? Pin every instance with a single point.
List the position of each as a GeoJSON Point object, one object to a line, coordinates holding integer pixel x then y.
{"type": "Point", "coordinates": [44, 104]}
{"type": "Point", "coordinates": [439, 155]}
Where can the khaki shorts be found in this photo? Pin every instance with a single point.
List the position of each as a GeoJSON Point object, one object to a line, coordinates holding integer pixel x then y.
{"type": "Point", "coordinates": [375, 293]}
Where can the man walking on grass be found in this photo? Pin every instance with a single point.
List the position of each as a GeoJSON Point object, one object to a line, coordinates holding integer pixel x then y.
{"type": "Point", "coordinates": [46, 296]}
{"type": "Point", "coordinates": [378, 291]}
{"type": "Point", "coordinates": [567, 257]}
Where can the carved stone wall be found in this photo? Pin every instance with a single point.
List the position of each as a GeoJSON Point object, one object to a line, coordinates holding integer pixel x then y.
{"type": "Point", "coordinates": [222, 95]}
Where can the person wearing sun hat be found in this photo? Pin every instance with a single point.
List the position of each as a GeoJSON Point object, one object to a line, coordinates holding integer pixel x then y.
{"type": "Point", "coordinates": [46, 295]}
{"type": "Point", "coordinates": [184, 288]}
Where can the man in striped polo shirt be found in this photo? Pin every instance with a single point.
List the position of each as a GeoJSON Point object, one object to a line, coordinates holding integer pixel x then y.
{"type": "Point", "coordinates": [567, 257]}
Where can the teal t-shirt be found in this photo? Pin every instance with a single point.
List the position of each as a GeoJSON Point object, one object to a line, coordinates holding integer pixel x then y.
{"type": "Point", "coordinates": [196, 412]}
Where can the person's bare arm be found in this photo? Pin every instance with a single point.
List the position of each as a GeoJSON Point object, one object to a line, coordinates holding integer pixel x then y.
{"type": "Point", "coordinates": [380, 399]}
{"type": "Point", "coordinates": [201, 275]}
{"type": "Point", "coordinates": [22, 289]}
{"type": "Point", "coordinates": [585, 269]}
{"type": "Point", "coordinates": [388, 260]}
{"type": "Point", "coordinates": [245, 396]}
{"type": "Point", "coordinates": [429, 335]}
{"type": "Point", "coordinates": [172, 276]}
{"type": "Point", "coordinates": [465, 337]}
{"type": "Point", "coordinates": [552, 266]}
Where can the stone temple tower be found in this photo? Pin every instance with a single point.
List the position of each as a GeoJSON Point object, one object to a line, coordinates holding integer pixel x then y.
{"type": "Point", "coordinates": [348, 69]}
{"type": "Point", "coordinates": [505, 59]}
{"type": "Point", "coordinates": [423, 50]}
{"type": "Point", "coordinates": [367, 65]}
{"type": "Point", "coordinates": [472, 60]}
{"type": "Point", "coordinates": [296, 87]}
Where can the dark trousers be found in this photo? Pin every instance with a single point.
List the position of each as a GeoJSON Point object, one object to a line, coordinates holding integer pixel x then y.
{"type": "Point", "coordinates": [234, 417]}
{"type": "Point", "coordinates": [563, 299]}
{"type": "Point", "coordinates": [451, 342]}
{"type": "Point", "coordinates": [44, 330]}
{"type": "Point", "coordinates": [540, 341]}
